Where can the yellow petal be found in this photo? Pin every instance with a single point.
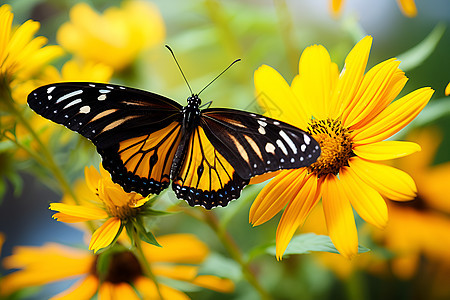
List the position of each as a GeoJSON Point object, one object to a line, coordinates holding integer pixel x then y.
{"type": "Point", "coordinates": [408, 7]}
{"type": "Point", "coordinates": [388, 181]}
{"type": "Point", "coordinates": [275, 195]}
{"type": "Point", "coordinates": [336, 7]}
{"type": "Point", "coordinates": [367, 202]}
{"type": "Point", "coordinates": [195, 251]}
{"type": "Point", "coordinates": [264, 177]}
{"type": "Point", "coordinates": [350, 77]}
{"type": "Point", "coordinates": [296, 212]}
{"type": "Point", "coordinates": [393, 118]}
{"type": "Point", "coordinates": [105, 234]}
{"type": "Point", "coordinates": [147, 289]}
{"type": "Point", "coordinates": [61, 217]}
{"type": "Point", "coordinates": [339, 217]}
{"type": "Point", "coordinates": [42, 265]}
{"type": "Point", "coordinates": [271, 86]}
{"type": "Point", "coordinates": [447, 89]}
{"type": "Point", "coordinates": [221, 285]}
{"type": "Point", "coordinates": [92, 177]}
{"type": "Point", "coordinates": [315, 81]}
{"type": "Point", "coordinates": [371, 93]}
{"type": "Point", "coordinates": [82, 289]}
{"type": "Point", "coordinates": [385, 150]}
{"type": "Point", "coordinates": [85, 212]}
{"type": "Point", "coordinates": [119, 290]}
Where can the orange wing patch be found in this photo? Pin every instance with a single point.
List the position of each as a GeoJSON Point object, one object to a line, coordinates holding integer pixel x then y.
{"type": "Point", "coordinates": [150, 156]}
{"type": "Point", "coordinates": [206, 178]}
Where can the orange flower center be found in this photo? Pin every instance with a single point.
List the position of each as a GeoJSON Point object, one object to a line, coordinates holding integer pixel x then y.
{"type": "Point", "coordinates": [336, 145]}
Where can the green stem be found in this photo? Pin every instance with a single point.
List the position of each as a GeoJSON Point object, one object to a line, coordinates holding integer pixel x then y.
{"type": "Point", "coordinates": [235, 253]}
{"type": "Point", "coordinates": [144, 262]}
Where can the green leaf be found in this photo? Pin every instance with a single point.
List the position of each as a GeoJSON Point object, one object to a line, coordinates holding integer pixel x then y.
{"type": "Point", "coordinates": [144, 235]}
{"type": "Point", "coordinates": [415, 56]}
{"type": "Point", "coordinates": [311, 242]}
{"type": "Point", "coordinates": [221, 266]}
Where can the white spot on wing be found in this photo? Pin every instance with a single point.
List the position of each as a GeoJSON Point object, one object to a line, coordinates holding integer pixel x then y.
{"type": "Point", "coordinates": [270, 148]}
{"type": "Point", "coordinates": [104, 91]}
{"type": "Point", "coordinates": [288, 141]}
{"type": "Point", "coordinates": [67, 96]}
{"type": "Point", "coordinates": [85, 109]}
{"type": "Point", "coordinates": [261, 130]}
{"type": "Point", "coordinates": [262, 123]}
{"type": "Point", "coordinates": [50, 89]}
{"type": "Point", "coordinates": [91, 84]}
{"type": "Point", "coordinates": [303, 147]}
{"type": "Point", "coordinates": [101, 97]}
{"type": "Point", "coordinates": [282, 147]}
{"type": "Point", "coordinates": [276, 123]}
{"type": "Point", "coordinates": [307, 139]}
{"type": "Point", "coordinates": [76, 101]}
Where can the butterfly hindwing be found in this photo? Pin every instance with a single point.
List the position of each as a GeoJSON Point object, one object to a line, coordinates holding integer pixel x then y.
{"type": "Point", "coordinates": [255, 144]}
{"type": "Point", "coordinates": [205, 177]}
{"type": "Point", "coordinates": [136, 132]}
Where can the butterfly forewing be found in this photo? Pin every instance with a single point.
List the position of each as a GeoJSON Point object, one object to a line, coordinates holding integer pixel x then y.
{"type": "Point", "coordinates": [254, 144]}
{"type": "Point", "coordinates": [136, 132]}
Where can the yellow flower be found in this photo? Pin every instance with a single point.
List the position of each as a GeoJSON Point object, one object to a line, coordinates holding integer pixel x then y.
{"type": "Point", "coordinates": [103, 200]}
{"type": "Point", "coordinates": [123, 278]}
{"type": "Point", "coordinates": [349, 114]}
{"type": "Point", "coordinates": [408, 7]}
{"type": "Point", "coordinates": [447, 89]}
{"type": "Point", "coordinates": [21, 55]}
{"type": "Point", "coordinates": [115, 38]}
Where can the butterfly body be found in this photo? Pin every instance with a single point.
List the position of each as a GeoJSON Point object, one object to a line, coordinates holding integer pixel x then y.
{"type": "Point", "coordinates": [147, 140]}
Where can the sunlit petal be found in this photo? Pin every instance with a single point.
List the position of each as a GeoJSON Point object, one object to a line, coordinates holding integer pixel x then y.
{"type": "Point", "coordinates": [105, 234]}
{"type": "Point", "coordinates": [296, 212]}
{"type": "Point", "coordinates": [82, 289]}
{"type": "Point", "coordinates": [148, 290]}
{"type": "Point", "coordinates": [271, 86]}
{"type": "Point", "coordinates": [85, 212]}
{"type": "Point", "coordinates": [339, 217]}
{"type": "Point", "coordinates": [393, 118]}
{"type": "Point", "coordinates": [275, 195]}
{"type": "Point", "coordinates": [367, 202]}
{"type": "Point", "coordinates": [390, 182]}
{"type": "Point", "coordinates": [385, 150]}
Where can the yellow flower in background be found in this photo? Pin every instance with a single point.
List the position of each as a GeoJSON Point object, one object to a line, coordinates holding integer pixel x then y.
{"type": "Point", "coordinates": [350, 115]}
{"type": "Point", "coordinates": [124, 277]}
{"type": "Point", "coordinates": [104, 200]}
{"type": "Point", "coordinates": [447, 89]}
{"type": "Point", "coordinates": [419, 229]}
{"type": "Point", "coordinates": [22, 55]}
{"type": "Point", "coordinates": [407, 7]}
{"type": "Point", "coordinates": [114, 38]}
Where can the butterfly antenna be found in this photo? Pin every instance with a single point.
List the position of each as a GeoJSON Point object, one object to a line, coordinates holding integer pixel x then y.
{"type": "Point", "coordinates": [219, 75]}
{"type": "Point", "coordinates": [167, 46]}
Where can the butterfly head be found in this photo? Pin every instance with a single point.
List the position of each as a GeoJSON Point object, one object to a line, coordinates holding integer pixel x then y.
{"type": "Point", "coordinates": [194, 100]}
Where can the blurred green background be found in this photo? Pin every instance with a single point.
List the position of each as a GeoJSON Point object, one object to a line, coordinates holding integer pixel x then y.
{"type": "Point", "coordinates": [208, 35]}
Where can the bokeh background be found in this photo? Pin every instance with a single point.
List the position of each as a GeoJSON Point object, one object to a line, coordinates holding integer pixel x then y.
{"type": "Point", "coordinates": [407, 261]}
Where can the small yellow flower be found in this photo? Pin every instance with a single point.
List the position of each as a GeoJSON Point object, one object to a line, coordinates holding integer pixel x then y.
{"type": "Point", "coordinates": [114, 38]}
{"type": "Point", "coordinates": [407, 7]}
{"type": "Point", "coordinates": [447, 89]}
{"type": "Point", "coordinates": [349, 114]}
{"type": "Point", "coordinates": [21, 55]}
{"type": "Point", "coordinates": [124, 277]}
{"type": "Point", "coordinates": [105, 200]}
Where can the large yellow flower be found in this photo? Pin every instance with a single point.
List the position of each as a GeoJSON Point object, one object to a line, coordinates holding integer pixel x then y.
{"type": "Point", "coordinates": [102, 200]}
{"type": "Point", "coordinates": [349, 114]}
{"type": "Point", "coordinates": [123, 278]}
{"type": "Point", "coordinates": [407, 7]}
{"type": "Point", "coordinates": [115, 38]}
{"type": "Point", "coordinates": [21, 55]}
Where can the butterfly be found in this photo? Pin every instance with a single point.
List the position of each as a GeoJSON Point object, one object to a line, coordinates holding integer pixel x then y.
{"type": "Point", "coordinates": [147, 140]}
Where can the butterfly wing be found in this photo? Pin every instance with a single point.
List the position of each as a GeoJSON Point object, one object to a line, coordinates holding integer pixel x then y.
{"type": "Point", "coordinates": [136, 132]}
{"type": "Point", "coordinates": [205, 177]}
{"type": "Point", "coordinates": [254, 144]}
